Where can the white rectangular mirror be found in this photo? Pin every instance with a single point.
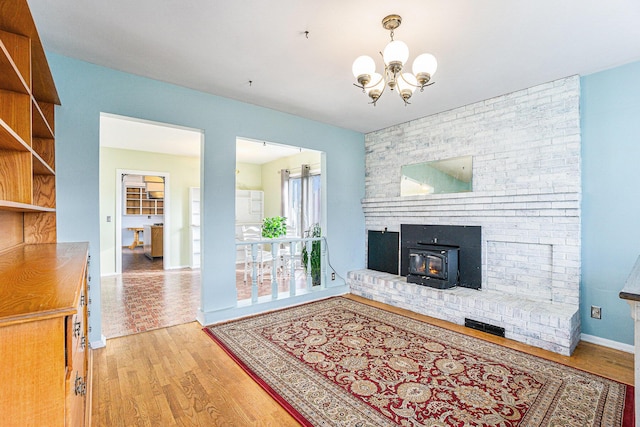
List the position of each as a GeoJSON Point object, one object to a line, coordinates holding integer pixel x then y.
{"type": "Point", "coordinates": [454, 175]}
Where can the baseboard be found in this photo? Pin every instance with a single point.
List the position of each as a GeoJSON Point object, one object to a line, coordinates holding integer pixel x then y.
{"type": "Point", "coordinates": [178, 267]}
{"type": "Point", "coordinates": [109, 274]}
{"type": "Point", "coordinates": [628, 348]}
{"type": "Point", "coordinates": [99, 344]}
{"type": "Point", "coordinates": [246, 308]}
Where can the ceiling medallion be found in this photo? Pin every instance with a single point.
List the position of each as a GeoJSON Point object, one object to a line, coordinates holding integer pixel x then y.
{"type": "Point", "coordinates": [395, 56]}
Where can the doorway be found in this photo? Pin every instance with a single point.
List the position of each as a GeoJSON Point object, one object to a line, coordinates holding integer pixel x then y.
{"type": "Point", "coordinates": [146, 172]}
{"type": "Point", "coordinates": [275, 180]}
{"type": "Point", "coordinates": [141, 219]}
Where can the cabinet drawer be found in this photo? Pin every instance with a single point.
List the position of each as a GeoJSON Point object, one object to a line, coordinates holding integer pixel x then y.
{"type": "Point", "coordinates": [77, 388]}
{"type": "Point", "coordinates": [76, 331]}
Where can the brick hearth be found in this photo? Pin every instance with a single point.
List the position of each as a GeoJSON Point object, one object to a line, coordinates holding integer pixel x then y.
{"type": "Point", "coordinates": [554, 327]}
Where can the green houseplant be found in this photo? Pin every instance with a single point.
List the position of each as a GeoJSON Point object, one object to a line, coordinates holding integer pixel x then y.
{"type": "Point", "coordinates": [313, 231]}
{"type": "Point", "coordinates": [274, 227]}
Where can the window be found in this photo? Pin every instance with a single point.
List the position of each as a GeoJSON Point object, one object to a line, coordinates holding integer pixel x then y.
{"type": "Point", "coordinates": [301, 195]}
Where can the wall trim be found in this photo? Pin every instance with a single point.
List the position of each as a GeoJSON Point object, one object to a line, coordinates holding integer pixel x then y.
{"type": "Point", "coordinates": [266, 304]}
{"type": "Point", "coordinates": [99, 344]}
{"type": "Point", "coordinates": [627, 348]}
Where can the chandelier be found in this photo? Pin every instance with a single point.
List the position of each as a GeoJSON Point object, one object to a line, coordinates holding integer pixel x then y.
{"type": "Point", "coordinates": [395, 56]}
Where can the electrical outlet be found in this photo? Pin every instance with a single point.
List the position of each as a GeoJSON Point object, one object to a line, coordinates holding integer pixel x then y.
{"type": "Point", "coordinates": [333, 276]}
{"type": "Point", "coordinates": [596, 312]}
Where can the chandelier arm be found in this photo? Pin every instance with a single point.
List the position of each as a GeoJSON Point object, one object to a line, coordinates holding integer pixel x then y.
{"type": "Point", "coordinates": [374, 84]}
{"type": "Point", "coordinates": [379, 96]}
{"type": "Point", "coordinates": [409, 83]}
{"type": "Point", "coordinates": [418, 86]}
{"type": "Point", "coordinates": [425, 85]}
{"type": "Point", "coordinates": [401, 97]}
{"type": "Point", "coordinates": [369, 86]}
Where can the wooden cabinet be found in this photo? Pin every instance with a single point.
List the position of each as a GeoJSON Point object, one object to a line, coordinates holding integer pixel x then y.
{"type": "Point", "coordinates": [138, 202]}
{"type": "Point", "coordinates": [43, 335]}
{"type": "Point", "coordinates": [249, 206]}
{"type": "Point", "coordinates": [44, 354]}
{"type": "Point", "coordinates": [27, 146]}
{"type": "Point", "coordinates": [153, 240]}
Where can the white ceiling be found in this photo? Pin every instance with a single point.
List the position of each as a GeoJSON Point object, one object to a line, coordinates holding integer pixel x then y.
{"type": "Point", "coordinates": [260, 152]}
{"type": "Point", "coordinates": [141, 135]}
{"type": "Point", "coordinates": [484, 48]}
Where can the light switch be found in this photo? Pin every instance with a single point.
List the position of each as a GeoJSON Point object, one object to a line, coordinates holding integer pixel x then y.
{"type": "Point", "coordinates": [108, 218]}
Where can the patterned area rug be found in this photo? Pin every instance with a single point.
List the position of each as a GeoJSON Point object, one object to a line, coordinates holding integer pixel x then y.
{"type": "Point", "coordinates": [338, 362]}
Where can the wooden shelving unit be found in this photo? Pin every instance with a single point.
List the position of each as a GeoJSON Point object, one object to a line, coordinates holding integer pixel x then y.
{"type": "Point", "coordinates": [44, 301]}
{"type": "Point", "coordinates": [27, 140]}
{"type": "Point", "coordinates": [138, 202]}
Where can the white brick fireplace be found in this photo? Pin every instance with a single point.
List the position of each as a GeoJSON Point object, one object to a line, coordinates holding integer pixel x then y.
{"type": "Point", "coordinates": [526, 197]}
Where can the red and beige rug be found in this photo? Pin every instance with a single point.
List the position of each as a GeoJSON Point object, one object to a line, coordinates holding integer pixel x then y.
{"type": "Point", "coordinates": [337, 362]}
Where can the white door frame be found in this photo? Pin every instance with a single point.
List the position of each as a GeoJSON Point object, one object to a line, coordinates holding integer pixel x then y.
{"type": "Point", "coordinates": [166, 261]}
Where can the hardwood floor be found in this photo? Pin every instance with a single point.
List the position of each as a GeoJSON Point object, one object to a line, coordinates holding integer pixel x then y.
{"type": "Point", "coordinates": [178, 376]}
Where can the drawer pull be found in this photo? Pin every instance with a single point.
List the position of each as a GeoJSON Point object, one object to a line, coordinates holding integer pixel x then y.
{"type": "Point", "coordinates": [80, 385]}
{"type": "Point", "coordinates": [76, 329]}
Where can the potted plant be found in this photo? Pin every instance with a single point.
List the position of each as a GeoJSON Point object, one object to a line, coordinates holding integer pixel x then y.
{"type": "Point", "coordinates": [274, 227]}
{"type": "Point", "coordinates": [313, 231]}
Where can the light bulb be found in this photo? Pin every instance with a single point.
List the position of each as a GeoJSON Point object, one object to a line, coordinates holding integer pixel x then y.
{"type": "Point", "coordinates": [363, 65]}
{"type": "Point", "coordinates": [374, 90]}
{"type": "Point", "coordinates": [407, 83]}
{"type": "Point", "coordinates": [424, 67]}
{"type": "Point", "coordinates": [395, 53]}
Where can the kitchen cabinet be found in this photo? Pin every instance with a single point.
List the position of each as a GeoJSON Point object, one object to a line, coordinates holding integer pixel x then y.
{"type": "Point", "coordinates": [249, 206]}
{"type": "Point", "coordinates": [137, 202]}
{"type": "Point", "coordinates": [153, 241]}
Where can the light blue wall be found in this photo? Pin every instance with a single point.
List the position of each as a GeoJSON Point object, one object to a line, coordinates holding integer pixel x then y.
{"type": "Point", "coordinates": [610, 121]}
{"type": "Point", "coordinates": [86, 90]}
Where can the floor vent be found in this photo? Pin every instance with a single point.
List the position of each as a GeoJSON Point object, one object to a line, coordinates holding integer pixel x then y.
{"type": "Point", "coordinates": [484, 327]}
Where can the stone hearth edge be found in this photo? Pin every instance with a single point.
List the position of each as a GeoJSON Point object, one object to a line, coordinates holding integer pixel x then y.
{"type": "Point", "coordinates": [551, 326]}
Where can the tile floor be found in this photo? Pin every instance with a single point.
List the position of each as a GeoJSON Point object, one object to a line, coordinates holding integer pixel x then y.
{"type": "Point", "coordinates": [140, 301]}
{"type": "Point", "coordinates": [135, 260]}
{"type": "Point", "coordinates": [145, 297]}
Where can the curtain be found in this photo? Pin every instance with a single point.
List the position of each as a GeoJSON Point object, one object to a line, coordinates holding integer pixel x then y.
{"type": "Point", "coordinates": [300, 199]}
{"type": "Point", "coordinates": [304, 199]}
{"type": "Point", "coordinates": [284, 193]}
